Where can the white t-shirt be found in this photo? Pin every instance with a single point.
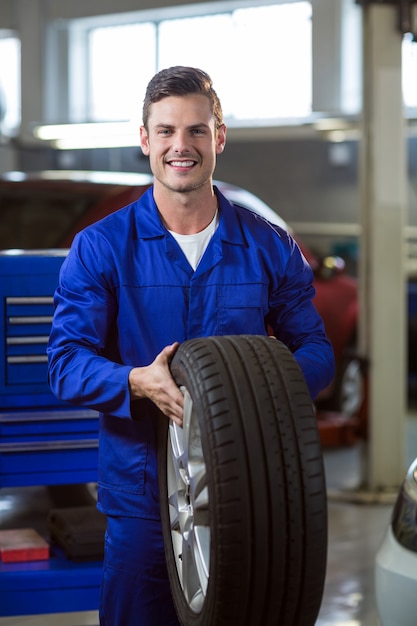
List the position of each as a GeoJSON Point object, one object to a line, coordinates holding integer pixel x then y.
{"type": "Point", "coordinates": [195, 245]}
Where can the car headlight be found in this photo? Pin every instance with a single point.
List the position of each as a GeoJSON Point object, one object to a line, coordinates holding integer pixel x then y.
{"type": "Point", "coordinates": [404, 517]}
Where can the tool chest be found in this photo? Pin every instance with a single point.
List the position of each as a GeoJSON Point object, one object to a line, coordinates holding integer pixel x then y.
{"type": "Point", "coordinates": [43, 441]}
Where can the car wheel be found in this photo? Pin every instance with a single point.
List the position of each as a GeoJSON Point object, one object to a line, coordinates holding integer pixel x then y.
{"type": "Point", "coordinates": [243, 498]}
{"type": "Point", "coordinates": [349, 391]}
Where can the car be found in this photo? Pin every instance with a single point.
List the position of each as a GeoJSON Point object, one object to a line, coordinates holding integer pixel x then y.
{"type": "Point", "coordinates": [396, 559]}
{"type": "Point", "coordinates": [46, 209]}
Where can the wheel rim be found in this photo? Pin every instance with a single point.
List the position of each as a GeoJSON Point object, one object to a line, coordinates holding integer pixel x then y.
{"type": "Point", "coordinates": [352, 388]}
{"type": "Point", "coordinates": [189, 506]}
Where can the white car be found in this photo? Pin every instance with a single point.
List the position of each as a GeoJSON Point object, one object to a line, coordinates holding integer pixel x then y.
{"type": "Point", "coordinates": [396, 560]}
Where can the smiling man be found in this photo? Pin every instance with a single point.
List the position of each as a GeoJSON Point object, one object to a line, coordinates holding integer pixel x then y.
{"type": "Point", "coordinates": [180, 262]}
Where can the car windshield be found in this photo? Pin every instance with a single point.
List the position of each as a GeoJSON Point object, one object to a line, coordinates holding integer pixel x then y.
{"type": "Point", "coordinates": [39, 218]}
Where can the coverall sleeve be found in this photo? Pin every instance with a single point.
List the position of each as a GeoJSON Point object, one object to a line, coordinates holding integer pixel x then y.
{"type": "Point", "coordinates": [296, 322]}
{"type": "Point", "coordinates": [83, 369]}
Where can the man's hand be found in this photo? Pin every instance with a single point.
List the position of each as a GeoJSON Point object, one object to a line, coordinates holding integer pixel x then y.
{"type": "Point", "coordinates": [155, 382]}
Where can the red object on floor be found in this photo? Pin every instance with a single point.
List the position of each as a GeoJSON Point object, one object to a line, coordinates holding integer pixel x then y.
{"type": "Point", "coordinates": [22, 544]}
{"type": "Point", "coordinates": [338, 430]}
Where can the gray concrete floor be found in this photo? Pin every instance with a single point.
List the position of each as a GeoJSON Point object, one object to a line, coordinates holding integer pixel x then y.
{"type": "Point", "coordinates": [356, 529]}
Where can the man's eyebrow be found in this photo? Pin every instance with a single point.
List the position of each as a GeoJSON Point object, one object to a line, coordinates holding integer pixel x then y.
{"type": "Point", "coordinates": [199, 125]}
{"type": "Point", "coordinates": [191, 127]}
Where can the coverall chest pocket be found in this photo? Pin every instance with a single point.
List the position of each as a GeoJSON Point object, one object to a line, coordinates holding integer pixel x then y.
{"type": "Point", "coordinates": [242, 309]}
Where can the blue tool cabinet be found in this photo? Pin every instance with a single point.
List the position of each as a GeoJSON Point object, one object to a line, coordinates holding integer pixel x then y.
{"type": "Point", "coordinates": [42, 440]}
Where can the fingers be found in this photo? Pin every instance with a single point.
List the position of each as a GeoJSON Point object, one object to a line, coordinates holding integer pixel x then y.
{"type": "Point", "coordinates": [156, 383]}
{"type": "Point", "coordinates": [169, 400]}
{"type": "Point", "coordinates": [169, 351]}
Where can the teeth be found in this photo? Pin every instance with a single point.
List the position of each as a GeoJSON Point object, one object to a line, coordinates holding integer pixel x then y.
{"type": "Point", "coordinates": [182, 163]}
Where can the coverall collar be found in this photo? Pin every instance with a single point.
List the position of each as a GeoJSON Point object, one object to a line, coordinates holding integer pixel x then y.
{"type": "Point", "coordinates": [150, 225]}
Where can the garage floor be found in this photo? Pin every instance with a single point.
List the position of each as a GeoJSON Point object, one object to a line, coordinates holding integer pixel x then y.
{"type": "Point", "coordinates": [356, 528]}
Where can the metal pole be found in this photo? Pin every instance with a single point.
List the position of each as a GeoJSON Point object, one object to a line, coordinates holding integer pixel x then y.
{"type": "Point", "coordinates": [383, 176]}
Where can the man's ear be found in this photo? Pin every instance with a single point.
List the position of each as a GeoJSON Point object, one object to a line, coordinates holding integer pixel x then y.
{"type": "Point", "coordinates": [144, 140]}
{"type": "Point", "coordinates": [221, 139]}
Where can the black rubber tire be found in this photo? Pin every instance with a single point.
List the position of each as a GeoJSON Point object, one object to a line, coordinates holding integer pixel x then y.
{"type": "Point", "coordinates": [258, 492]}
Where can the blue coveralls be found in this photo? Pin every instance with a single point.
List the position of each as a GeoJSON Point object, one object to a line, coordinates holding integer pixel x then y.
{"type": "Point", "coordinates": [126, 291]}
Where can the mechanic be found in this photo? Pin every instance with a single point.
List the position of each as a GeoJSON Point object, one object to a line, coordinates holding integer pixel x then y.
{"type": "Point", "coordinates": [180, 262]}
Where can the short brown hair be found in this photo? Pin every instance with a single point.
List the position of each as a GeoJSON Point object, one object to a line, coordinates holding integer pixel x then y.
{"type": "Point", "coordinates": [181, 81]}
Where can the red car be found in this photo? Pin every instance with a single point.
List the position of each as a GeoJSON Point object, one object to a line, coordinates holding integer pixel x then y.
{"type": "Point", "coordinates": [46, 209]}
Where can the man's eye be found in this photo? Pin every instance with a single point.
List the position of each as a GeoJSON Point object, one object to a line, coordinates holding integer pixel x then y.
{"type": "Point", "coordinates": [198, 131]}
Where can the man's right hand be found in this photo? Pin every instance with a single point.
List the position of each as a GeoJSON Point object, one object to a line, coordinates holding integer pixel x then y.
{"type": "Point", "coordinates": [155, 382]}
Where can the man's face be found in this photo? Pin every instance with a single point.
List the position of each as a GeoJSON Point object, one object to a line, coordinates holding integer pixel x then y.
{"type": "Point", "coordinates": [182, 142]}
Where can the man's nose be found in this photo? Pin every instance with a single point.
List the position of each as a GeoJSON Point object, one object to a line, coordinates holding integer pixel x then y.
{"type": "Point", "coordinates": [181, 145]}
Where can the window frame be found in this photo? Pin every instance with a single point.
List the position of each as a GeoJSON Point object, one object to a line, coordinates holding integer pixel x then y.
{"type": "Point", "coordinates": [67, 48]}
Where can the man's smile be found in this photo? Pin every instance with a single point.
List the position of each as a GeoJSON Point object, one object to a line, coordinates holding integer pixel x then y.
{"type": "Point", "coordinates": [182, 163]}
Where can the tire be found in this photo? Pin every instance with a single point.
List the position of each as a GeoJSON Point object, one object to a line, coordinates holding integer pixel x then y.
{"type": "Point", "coordinates": [243, 497]}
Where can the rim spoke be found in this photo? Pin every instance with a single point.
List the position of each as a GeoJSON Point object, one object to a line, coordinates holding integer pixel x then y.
{"type": "Point", "coordinates": [189, 506]}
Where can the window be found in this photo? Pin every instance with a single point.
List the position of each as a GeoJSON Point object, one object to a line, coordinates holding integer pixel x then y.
{"type": "Point", "coordinates": [258, 54]}
{"type": "Point", "coordinates": [9, 83]}
{"type": "Point", "coordinates": [409, 71]}
{"type": "Point", "coordinates": [259, 58]}
{"type": "Point", "coordinates": [122, 61]}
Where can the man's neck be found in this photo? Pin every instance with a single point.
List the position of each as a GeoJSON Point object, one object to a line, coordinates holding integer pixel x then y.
{"type": "Point", "coordinates": [186, 213]}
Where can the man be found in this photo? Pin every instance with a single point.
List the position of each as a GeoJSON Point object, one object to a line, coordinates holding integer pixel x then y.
{"type": "Point", "coordinates": [181, 262]}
